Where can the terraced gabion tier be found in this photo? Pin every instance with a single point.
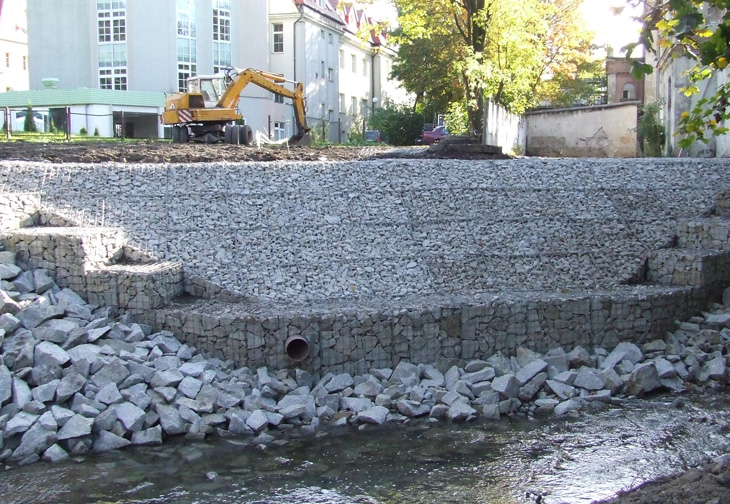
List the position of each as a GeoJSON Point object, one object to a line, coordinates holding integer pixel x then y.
{"type": "Point", "coordinates": [353, 232]}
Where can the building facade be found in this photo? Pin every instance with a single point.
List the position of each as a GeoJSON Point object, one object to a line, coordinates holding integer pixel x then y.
{"type": "Point", "coordinates": [137, 45]}
{"type": "Point", "coordinates": [13, 46]}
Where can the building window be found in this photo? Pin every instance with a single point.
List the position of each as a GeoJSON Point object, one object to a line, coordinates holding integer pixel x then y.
{"type": "Point", "coordinates": [186, 43]}
{"type": "Point", "coordinates": [353, 106]}
{"type": "Point", "coordinates": [278, 98]}
{"type": "Point", "coordinates": [321, 34]}
{"type": "Point", "coordinates": [331, 39]}
{"type": "Point", "coordinates": [279, 130]}
{"type": "Point", "coordinates": [221, 35]}
{"type": "Point", "coordinates": [342, 59]}
{"type": "Point", "coordinates": [25, 62]}
{"type": "Point", "coordinates": [7, 60]}
{"type": "Point", "coordinates": [343, 105]}
{"type": "Point", "coordinates": [364, 67]}
{"type": "Point", "coordinates": [629, 92]}
{"type": "Point", "coordinates": [112, 37]}
{"type": "Point", "coordinates": [364, 108]}
{"type": "Point", "coordinates": [321, 67]}
{"type": "Point", "coordinates": [354, 62]}
{"type": "Point", "coordinates": [184, 72]}
{"type": "Point", "coordinates": [330, 74]}
{"type": "Point", "coordinates": [278, 37]}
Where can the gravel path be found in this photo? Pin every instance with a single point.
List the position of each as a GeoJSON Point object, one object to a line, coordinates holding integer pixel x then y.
{"type": "Point", "coordinates": [389, 229]}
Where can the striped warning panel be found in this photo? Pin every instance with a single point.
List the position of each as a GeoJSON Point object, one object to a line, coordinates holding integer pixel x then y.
{"type": "Point", "coordinates": [185, 116]}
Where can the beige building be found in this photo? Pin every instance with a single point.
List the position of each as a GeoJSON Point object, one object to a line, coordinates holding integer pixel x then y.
{"type": "Point", "coordinates": [13, 46]}
{"type": "Point", "coordinates": [622, 86]}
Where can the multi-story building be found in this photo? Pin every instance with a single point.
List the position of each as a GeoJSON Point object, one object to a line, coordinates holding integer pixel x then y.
{"type": "Point", "coordinates": [137, 45]}
{"type": "Point", "coordinates": [13, 46]}
{"type": "Point", "coordinates": [335, 49]}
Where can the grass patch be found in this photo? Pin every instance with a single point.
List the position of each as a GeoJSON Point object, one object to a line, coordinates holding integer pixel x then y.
{"type": "Point", "coordinates": [24, 136]}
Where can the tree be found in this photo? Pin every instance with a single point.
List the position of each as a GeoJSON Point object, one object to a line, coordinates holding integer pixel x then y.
{"type": "Point", "coordinates": [29, 123]}
{"type": "Point", "coordinates": [699, 30]}
{"type": "Point", "coordinates": [399, 125]}
{"type": "Point", "coordinates": [497, 49]}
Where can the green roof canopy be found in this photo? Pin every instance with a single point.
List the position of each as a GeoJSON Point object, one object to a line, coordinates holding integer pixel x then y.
{"type": "Point", "coordinates": [81, 96]}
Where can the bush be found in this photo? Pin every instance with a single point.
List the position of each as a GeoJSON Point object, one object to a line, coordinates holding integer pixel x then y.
{"type": "Point", "coordinates": [96, 132]}
{"type": "Point", "coordinates": [398, 124]}
{"type": "Point", "coordinates": [651, 130]}
{"type": "Point", "coordinates": [29, 123]}
{"type": "Point", "coordinates": [83, 132]}
{"type": "Point", "coordinates": [457, 119]}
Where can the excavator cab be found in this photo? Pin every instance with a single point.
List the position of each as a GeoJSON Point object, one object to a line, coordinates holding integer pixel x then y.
{"type": "Point", "coordinates": [211, 87]}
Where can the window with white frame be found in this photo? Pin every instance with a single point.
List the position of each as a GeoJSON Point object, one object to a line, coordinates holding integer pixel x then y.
{"type": "Point", "coordinates": [330, 74]}
{"type": "Point", "coordinates": [364, 67]}
{"type": "Point", "coordinates": [343, 104]}
{"type": "Point", "coordinates": [342, 59]}
{"type": "Point", "coordinates": [278, 37]}
{"type": "Point", "coordinates": [186, 42]}
{"type": "Point", "coordinates": [354, 62]}
{"type": "Point", "coordinates": [353, 105]}
{"type": "Point", "coordinates": [364, 107]}
{"type": "Point", "coordinates": [112, 44]}
{"type": "Point", "coordinates": [221, 35]}
{"type": "Point", "coordinates": [628, 92]}
{"type": "Point", "coordinates": [279, 130]}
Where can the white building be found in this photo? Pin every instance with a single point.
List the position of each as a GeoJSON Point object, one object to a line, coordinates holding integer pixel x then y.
{"type": "Point", "coordinates": [333, 48]}
{"type": "Point", "coordinates": [13, 46]}
{"type": "Point", "coordinates": [138, 45]}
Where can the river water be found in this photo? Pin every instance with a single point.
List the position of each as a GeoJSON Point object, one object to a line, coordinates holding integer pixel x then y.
{"type": "Point", "coordinates": [569, 460]}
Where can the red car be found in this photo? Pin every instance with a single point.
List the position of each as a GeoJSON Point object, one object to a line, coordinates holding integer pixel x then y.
{"type": "Point", "coordinates": [435, 135]}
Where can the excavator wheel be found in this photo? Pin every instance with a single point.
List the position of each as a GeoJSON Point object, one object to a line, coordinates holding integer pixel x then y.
{"type": "Point", "coordinates": [176, 134]}
{"type": "Point", "coordinates": [235, 135]}
{"type": "Point", "coordinates": [246, 135]}
{"type": "Point", "coordinates": [227, 133]}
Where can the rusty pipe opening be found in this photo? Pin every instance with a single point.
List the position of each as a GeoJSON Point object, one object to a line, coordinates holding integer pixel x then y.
{"type": "Point", "coordinates": [297, 348]}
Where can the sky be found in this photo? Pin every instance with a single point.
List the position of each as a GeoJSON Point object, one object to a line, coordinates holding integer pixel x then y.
{"type": "Point", "coordinates": [616, 31]}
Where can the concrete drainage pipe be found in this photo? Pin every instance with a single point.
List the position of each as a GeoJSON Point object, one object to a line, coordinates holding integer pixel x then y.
{"type": "Point", "coordinates": [297, 348]}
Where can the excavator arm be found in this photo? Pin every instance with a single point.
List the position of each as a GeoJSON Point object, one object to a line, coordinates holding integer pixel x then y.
{"type": "Point", "coordinates": [271, 82]}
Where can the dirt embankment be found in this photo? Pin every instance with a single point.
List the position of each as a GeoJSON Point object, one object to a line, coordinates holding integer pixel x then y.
{"type": "Point", "coordinates": [155, 152]}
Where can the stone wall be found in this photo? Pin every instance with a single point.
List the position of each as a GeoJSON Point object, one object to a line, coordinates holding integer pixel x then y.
{"type": "Point", "coordinates": [95, 262]}
{"type": "Point", "coordinates": [600, 131]}
{"type": "Point", "coordinates": [355, 342]}
{"type": "Point", "coordinates": [356, 336]}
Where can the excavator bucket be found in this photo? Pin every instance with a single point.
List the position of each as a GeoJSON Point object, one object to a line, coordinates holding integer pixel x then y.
{"type": "Point", "coordinates": [301, 138]}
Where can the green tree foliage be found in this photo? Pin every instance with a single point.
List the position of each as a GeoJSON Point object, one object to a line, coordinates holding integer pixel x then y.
{"type": "Point", "coordinates": [699, 30]}
{"type": "Point", "coordinates": [29, 123]}
{"type": "Point", "coordinates": [471, 50]}
{"type": "Point", "coordinates": [399, 124]}
{"type": "Point", "coordinates": [651, 130]}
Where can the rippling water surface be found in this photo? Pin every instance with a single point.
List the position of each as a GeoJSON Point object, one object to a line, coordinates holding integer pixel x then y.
{"type": "Point", "coordinates": [572, 460]}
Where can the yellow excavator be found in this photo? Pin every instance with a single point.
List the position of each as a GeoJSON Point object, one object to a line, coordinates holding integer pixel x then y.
{"type": "Point", "coordinates": [208, 111]}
